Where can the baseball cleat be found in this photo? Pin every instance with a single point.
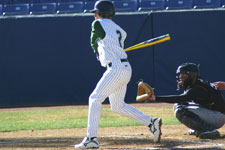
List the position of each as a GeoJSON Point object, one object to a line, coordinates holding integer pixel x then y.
{"type": "Point", "coordinates": [88, 143]}
{"type": "Point", "coordinates": [155, 129]}
{"type": "Point", "coordinates": [209, 134]}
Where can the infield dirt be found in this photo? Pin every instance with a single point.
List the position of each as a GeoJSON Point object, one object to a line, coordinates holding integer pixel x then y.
{"type": "Point", "coordinates": [134, 137]}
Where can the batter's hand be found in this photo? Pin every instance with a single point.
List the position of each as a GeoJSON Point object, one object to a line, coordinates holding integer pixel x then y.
{"type": "Point", "coordinates": [220, 85]}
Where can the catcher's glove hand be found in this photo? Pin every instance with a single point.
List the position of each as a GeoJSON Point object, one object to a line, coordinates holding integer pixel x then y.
{"type": "Point", "coordinates": [144, 91]}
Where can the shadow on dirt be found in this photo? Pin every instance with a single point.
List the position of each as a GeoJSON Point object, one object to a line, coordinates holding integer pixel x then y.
{"type": "Point", "coordinates": [210, 144]}
{"type": "Point", "coordinates": [115, 143]}
{"type": "Point", "coordinates": [38, 142]}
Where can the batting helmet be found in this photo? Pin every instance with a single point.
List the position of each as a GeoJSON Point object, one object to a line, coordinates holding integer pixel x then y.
{"type": "Point", "coordinates": [105, 8]}
{"type": "Point", "coordinates": [193, 72]}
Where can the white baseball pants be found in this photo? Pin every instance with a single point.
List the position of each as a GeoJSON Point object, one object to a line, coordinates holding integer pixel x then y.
{"type": "Point", "coordinates": [113, 84]}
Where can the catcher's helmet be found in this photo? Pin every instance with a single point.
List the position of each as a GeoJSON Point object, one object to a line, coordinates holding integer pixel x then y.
{"type": "Point", "coordinates": [188, 68]}
{"type": "Point", "coordinates": [193, 72]}
{"type": "Point", "coordinates": [105, 8]}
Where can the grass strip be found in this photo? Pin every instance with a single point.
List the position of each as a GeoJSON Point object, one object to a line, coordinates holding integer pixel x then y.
{"type": "Point", "coordinates": [62, 118]}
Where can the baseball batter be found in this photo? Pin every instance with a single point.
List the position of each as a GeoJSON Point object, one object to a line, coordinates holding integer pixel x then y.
{"type": "Point", "coordinates": [107, 41]}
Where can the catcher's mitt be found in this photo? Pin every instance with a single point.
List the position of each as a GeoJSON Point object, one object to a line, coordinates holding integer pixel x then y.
{"type": "Point", "coordinates": [144, 92]}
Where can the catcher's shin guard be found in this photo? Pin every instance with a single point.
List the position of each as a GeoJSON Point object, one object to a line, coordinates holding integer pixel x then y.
{"type": "Point", "coordinates": [191, 120]}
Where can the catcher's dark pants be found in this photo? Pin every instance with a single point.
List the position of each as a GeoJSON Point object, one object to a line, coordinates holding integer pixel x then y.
{"type": "Point", "coordinates": [198, 118]}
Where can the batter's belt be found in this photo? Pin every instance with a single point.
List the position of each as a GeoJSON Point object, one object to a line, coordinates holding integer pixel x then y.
{"type": "Point", "coordinates": [122, 60]}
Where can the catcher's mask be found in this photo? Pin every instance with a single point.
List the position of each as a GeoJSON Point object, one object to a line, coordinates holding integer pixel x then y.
{"type": "Point", "coordinates": [193, 73]}
{"type": "Point", "coordinates": [106, 8]}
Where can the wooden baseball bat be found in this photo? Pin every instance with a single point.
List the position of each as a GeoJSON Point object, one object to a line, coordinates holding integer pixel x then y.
{"type": "Point", "coordinates": [149, 42]}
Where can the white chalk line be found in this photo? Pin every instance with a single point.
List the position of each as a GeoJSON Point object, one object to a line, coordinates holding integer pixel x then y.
{"type": "Point", "coordinates": [200, 144]}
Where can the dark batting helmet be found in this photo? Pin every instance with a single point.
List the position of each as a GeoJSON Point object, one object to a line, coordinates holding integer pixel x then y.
{"type": "Point", "coordinates": [105, 8]}
{"type": "Point", "coordinates": [193, 72]}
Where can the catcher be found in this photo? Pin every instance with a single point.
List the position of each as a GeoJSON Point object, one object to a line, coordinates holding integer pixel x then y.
{"type": "Point", "coordinates": [201, 107]}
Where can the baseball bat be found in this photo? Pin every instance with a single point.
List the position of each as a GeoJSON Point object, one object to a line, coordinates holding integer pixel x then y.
{"type": "Point", "coordinates": [149, 42]}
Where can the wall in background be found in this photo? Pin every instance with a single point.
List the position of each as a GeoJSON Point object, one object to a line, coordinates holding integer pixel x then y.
{"type": "Point", "coordinates": [47, 61]}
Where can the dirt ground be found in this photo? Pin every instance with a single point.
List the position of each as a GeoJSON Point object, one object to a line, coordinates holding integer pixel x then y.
{"type": "Point", "coordinates": [126, 138]}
